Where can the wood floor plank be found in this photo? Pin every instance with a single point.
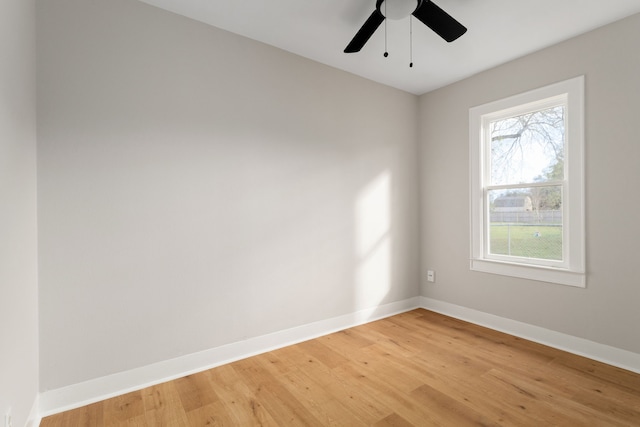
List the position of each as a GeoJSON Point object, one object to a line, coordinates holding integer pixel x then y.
{"type": "Point", "coordinates": [124, 409]}
{"type": "Point", "coordinates": [377, 364]}
{"type": "Point", "coordinates": [600, 372]}
{"type": "Point", "coordinates": [319, 401]}
{"type": "Point", "coordinates": [445, 410]}
{"type": "Point", "coordinates": [271, 393]}
{"type": "Point", "coordinates": [280, 363]}
{"type": "Point", "coordinates": [531, 403]}
{"type": "Point", "coordinates": [555, 399]}
{"type": "Point", "coordinates": [89, 416]}
{"type": "Point", "coordinates": [163, 406]}
{"type": "Point", "coordinates": [195, 391]}
{"type": "Point", "coordinates": [417, 368]}
{"type": "Point", "coordinates": [365, 406]}
{"type": "Point", "coordinates": [346, 343]}
{"type": "Point", "coordinates": [238, 400]}
{"type": "Point", "coordinates": [393, 420]}
{"type": "Point", "coordinates": [213, 414]}
{"type": "Point", "coordinates": [401, 403]}
{"type": "Point", "coordinates": [323, 353]}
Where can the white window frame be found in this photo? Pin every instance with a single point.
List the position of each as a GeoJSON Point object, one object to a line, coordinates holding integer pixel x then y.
{"type": "Point", "coordinates": [571, 270]}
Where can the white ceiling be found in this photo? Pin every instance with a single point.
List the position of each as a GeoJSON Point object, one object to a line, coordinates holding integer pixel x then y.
{"type": "Point", "coordinates": [498, 31]}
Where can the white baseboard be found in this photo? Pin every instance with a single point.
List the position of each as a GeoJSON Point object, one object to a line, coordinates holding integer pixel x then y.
{"type": "Point", "coordinates": [81, 394]}
{"type": "Point", "coordinates": [592, 350]}
{"type": "Point", "coordinates": [77, 395]}
{"type": "Point", "coordinates": [34, 415]}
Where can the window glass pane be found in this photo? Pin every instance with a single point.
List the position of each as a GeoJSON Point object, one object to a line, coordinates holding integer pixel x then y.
{"type": "Point", "coordinates": [526, 222]}
{"type": "Point", "coordinates": [528, 148]}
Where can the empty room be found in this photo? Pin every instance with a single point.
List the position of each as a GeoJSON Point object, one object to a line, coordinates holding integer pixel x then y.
{"type": "Point", "coordinates": [341, 212]}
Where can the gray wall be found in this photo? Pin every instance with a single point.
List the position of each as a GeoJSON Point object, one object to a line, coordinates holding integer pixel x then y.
{"type": "Point", "coordinates": [197, 188]}
{"type": "Point", "coordinates": [18, 232]}
{"type": "Point", "coordinates": [607, 310]}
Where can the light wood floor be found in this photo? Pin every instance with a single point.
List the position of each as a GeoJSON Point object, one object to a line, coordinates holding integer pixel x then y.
{"type": "Point", "coordinates": [414, 369]}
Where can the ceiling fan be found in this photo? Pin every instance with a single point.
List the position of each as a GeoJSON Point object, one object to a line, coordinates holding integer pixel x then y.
{"type": "Point", "coordinates": [425, 10]}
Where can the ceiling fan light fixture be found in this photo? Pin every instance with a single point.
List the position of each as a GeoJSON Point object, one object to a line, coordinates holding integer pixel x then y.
{"type": "Point", "coordinates": [398, 9]}
{"type": "Point", "coordinates": [425, 11]}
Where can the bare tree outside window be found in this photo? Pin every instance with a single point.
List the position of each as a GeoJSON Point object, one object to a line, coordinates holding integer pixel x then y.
{"type": "Point", "coordinates": [524, 147]}
{"type": "Point", "coordinates": [526, 168]}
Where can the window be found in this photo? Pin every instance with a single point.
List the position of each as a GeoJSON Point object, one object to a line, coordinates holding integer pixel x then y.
{"type": "Point", "coordinates": [527, 185]}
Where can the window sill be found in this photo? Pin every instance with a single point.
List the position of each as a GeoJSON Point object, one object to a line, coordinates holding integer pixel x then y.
{"type": "Point", "coordinates": [542, 274]}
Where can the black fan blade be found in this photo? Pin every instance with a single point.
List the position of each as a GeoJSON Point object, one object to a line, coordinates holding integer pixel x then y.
{"type": "Point", "coordinates": [439, 21]}
{"type": "Point", "coordinates": [365, 33]}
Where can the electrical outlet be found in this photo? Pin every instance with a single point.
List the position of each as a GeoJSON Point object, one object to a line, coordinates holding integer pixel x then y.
{"type": "Point", "coordinates": [7, 419]}
{"type": "Point", "coordinates": [431, 276]}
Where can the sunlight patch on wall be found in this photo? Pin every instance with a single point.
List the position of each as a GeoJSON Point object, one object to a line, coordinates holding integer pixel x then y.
{"type": "Point", "coordinates": [373, 242]}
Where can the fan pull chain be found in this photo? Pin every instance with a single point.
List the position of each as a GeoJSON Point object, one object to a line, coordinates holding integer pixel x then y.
{"type": "Point", "coordinates": [386, 52]}
{"type": "Point", "coordinates": [410, 42]}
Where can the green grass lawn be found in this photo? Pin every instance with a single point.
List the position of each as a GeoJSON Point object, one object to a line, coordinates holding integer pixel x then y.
{"type": "Point", "coordinates": [530, 241]}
